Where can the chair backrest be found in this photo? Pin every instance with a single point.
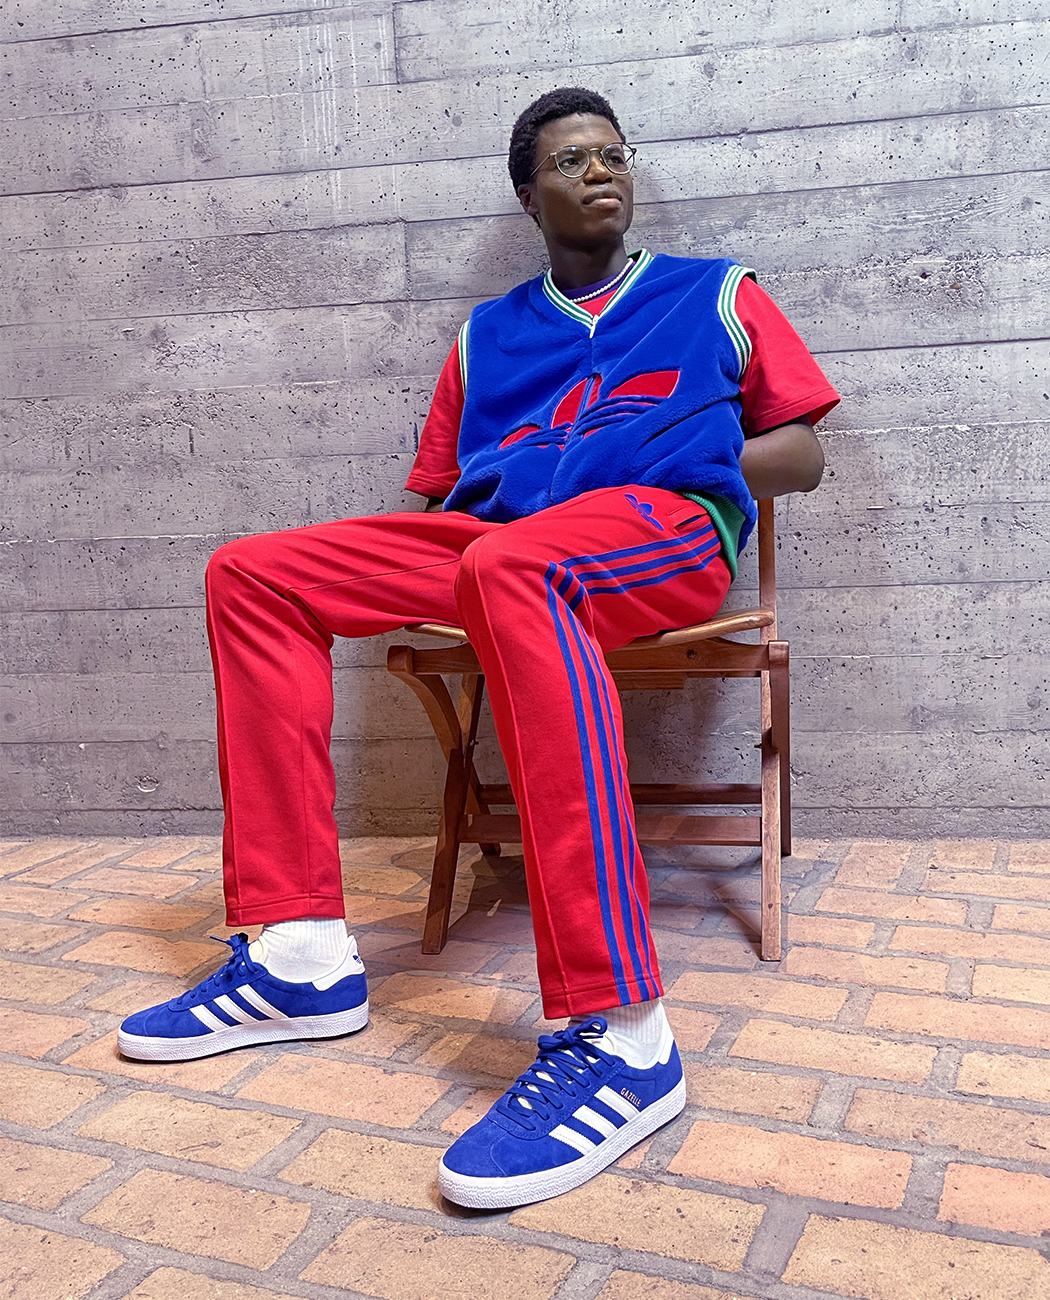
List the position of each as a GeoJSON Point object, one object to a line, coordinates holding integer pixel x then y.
{"type": "Point", "coordinates": [767, 565]}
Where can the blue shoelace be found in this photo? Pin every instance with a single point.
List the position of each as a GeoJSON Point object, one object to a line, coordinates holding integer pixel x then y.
{"type": "Point", "coordinates": [238, 966]}
{"type": "Point", "coordinates": [566, 1059]}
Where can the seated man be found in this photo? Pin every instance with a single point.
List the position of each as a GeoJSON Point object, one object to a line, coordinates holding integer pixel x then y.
{"type": "Point", "coordinates": [588, 438]}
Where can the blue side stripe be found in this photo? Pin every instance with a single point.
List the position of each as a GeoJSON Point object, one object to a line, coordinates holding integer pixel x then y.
{"type": "Point", "coordinates": [611, 943]}
{"type": "Point", "coordinates": [653, 548]}
{"type": "Point", "coordinates": [702, 550]}
{"type": "Point", "coordinates": [688, 547]}
{"type": "Point", "coordinates": [614, 804]}
{"type": "Point", "coordinates": [618, 797]}
{"type": "Point", "coordinates": [587, 583]}
{"type": "Point", "coordinates": [651, 582]}
{"type": "Point", "coordinates": [695, 546]}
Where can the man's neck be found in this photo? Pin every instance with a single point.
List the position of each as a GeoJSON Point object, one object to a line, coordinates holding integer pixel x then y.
{"type": "Point", "coordinates": [574, 268]}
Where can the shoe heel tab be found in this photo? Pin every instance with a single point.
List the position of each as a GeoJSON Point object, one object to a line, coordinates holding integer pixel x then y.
{"type": "Point", "coordinates": [350, 965]}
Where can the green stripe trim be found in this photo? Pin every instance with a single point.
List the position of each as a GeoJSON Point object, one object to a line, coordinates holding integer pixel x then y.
{"type": "Point", "coordinates": [732, 322]}
{"type": "Point", "coordinates": [461, 344]}
{"type": "Point", "coordinates": [641, 258]}
{"type": "Point", "coordinates": [728, 523]}
{"type": "Point", "coordinates": [564, 304]}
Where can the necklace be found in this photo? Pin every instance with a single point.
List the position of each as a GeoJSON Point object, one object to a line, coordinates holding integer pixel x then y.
{"type": "Point", "coordinates": [603, 288]}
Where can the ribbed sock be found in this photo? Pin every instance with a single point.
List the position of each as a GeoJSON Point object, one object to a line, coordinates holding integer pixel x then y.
{"type": "Point", "coordinates": [638, 1032]}
{"type": "Point", "coordinates": [301, 950]}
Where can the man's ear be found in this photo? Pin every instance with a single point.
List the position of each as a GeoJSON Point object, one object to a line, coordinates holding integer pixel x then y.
{"type": "Point", "coordinates": [525, 199]}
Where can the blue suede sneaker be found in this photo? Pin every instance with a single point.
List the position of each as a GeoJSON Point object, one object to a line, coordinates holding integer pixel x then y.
{"type": "Point", "coordinates": [242, 1003]}
{"type": "Point", "coordinates": [572, 1113]}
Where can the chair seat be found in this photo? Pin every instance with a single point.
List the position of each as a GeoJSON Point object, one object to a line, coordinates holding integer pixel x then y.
{"type": "Point", "coordinates": [737, 620]}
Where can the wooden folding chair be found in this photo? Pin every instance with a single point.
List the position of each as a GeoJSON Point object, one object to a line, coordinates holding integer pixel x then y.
{"type": "Point", "coordinates": [656, 663]}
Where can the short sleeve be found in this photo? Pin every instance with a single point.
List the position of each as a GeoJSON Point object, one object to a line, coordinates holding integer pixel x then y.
{"type": "Point", "coordinates": [782, 382]}
{"type": "Point", "coordinates": [436, 467]}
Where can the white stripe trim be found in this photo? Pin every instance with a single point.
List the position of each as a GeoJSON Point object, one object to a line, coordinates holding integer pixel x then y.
{"type": "Point", "coordinates": [232, 1009]}
{"type": "Point", "coordinates": [595, 1121]}
{"type": "Point", "coordinates": [462, 344]}
{"type": "Point", "coordinates": [732, 322]}
{"type": "Point", "coordinates": [206, 1018]}
{"type": "Point", "coordinates": [615, 1102]}
{"type": "Point", "coordinates": [573, 1139]}
{"type": "Point", "coordinates": [641, 258]}
{"type": "Point", "coordinates": [564, 304]}
{"type": "Point", "coordinates": [259, 1002]}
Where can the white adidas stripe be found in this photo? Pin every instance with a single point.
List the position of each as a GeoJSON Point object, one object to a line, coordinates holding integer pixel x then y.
{"type": "Point", "coordinates": [595, 1121]}
{"type": "Point", "coordinates": [615, 1102]}
{"type": "Point", "coordinates": [206, 1018]}
{"type": "Point", "coordinates": [232, 1009]}
{"type": "Point", "coordinates": [259, 1002]}
{"type": "Point", "coordinates": [573, 1139]}
{"type": "Point", "coordinates": [227, 1004]}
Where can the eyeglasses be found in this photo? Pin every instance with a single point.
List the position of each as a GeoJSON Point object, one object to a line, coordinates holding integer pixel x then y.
{"type": "Point", "coordinates": [574, 159]}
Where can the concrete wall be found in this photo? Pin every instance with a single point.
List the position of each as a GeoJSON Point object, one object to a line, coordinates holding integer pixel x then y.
{"type": "Point", "coordinates": [242, 233]}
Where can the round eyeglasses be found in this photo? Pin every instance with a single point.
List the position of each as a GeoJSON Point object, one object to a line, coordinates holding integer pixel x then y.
{"type": "Point", "coordinates": [574, 159]}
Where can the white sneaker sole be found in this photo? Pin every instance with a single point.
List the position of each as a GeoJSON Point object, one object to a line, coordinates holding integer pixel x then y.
{"type": "Point", "coordinates": [140, 1048]}
{"type": "Point", "coordinates": [523, 1189]}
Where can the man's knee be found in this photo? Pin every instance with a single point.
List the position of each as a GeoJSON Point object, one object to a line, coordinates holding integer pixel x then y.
{"type": "Point", "coordinates": [493, 556]}
{"type": "Point", "coordinates": [229, 556]}
{"type": "Point", "coordinates": [244, 556]}
{"type": "Point", "coordinates": [504, 571]}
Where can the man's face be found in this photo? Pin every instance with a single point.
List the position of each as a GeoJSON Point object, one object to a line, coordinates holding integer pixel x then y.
{"type": "Point", "coordinates": [578, 212]}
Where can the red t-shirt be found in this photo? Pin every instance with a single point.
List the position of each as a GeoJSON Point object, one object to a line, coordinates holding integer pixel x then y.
{"type": "Point", "coordinates": [782, 383]}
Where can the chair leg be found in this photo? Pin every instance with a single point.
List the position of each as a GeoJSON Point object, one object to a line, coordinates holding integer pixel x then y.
{"type": "Point", "coordinates": [772, 905]}
{"type": "Point", "coordinates": [780, 720]}
{"type": "Point", "coordinates": [465, 709]}
{"type": "Point", "coordinates": [457, 787]}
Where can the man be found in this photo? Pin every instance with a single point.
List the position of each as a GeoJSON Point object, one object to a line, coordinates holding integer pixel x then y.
{"type": "Point", "coordinates": [587, 437]}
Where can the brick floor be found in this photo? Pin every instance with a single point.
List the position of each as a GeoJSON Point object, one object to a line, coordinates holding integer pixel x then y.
{"type": "Point", "coordinates": [868, 1118]}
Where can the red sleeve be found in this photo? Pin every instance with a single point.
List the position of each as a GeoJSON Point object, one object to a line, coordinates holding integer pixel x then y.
{"type": "Point", "coordinates": [436, 469]}
{"type": "Point", "coordinates": [782, 381]}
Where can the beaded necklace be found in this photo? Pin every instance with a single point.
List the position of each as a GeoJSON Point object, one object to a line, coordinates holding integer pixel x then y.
{"type": "Point", "coordinates": [604, 287]}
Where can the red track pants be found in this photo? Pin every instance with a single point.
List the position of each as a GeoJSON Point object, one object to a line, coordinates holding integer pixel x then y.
{"type": "Point", "coordinates": [540, 598]}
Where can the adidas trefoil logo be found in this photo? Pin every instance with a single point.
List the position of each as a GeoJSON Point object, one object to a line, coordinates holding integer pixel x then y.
{"type": "Point", "coordinates": [585, 410]}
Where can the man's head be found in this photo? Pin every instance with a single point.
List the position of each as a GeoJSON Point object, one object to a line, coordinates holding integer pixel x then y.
{"type": "Point", "coordinates": [563, 102]}
{"type": "Point", "coordinates": [579, 209]}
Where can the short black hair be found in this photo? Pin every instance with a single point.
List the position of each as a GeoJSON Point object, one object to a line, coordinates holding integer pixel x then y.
{"type": "Point", "coordinates": [562, 102]}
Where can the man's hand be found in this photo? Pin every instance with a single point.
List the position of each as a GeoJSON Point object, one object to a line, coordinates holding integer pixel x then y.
{"type": "Point", "coordinates": [785, 459]}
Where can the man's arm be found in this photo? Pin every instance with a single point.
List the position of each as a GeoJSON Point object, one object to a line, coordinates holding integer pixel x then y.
{"type": "Point", "coordinates": [434, 471]}
{"type": "Point", "coordinates": [785, 459]}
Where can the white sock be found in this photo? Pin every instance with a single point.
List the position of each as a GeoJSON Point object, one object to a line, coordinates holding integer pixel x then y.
{"type": "Point", "coordinates": [638, 1032]}
{"type": "Point", "coordinates": [302, 950]}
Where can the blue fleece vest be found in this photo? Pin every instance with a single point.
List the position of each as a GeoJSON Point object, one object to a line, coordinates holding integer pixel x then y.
{"type": "Point", "coordinates": [558, 402]}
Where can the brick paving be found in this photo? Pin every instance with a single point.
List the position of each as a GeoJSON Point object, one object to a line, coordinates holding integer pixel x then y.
{"type": "Point", "coordinates": [869, 1118]}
